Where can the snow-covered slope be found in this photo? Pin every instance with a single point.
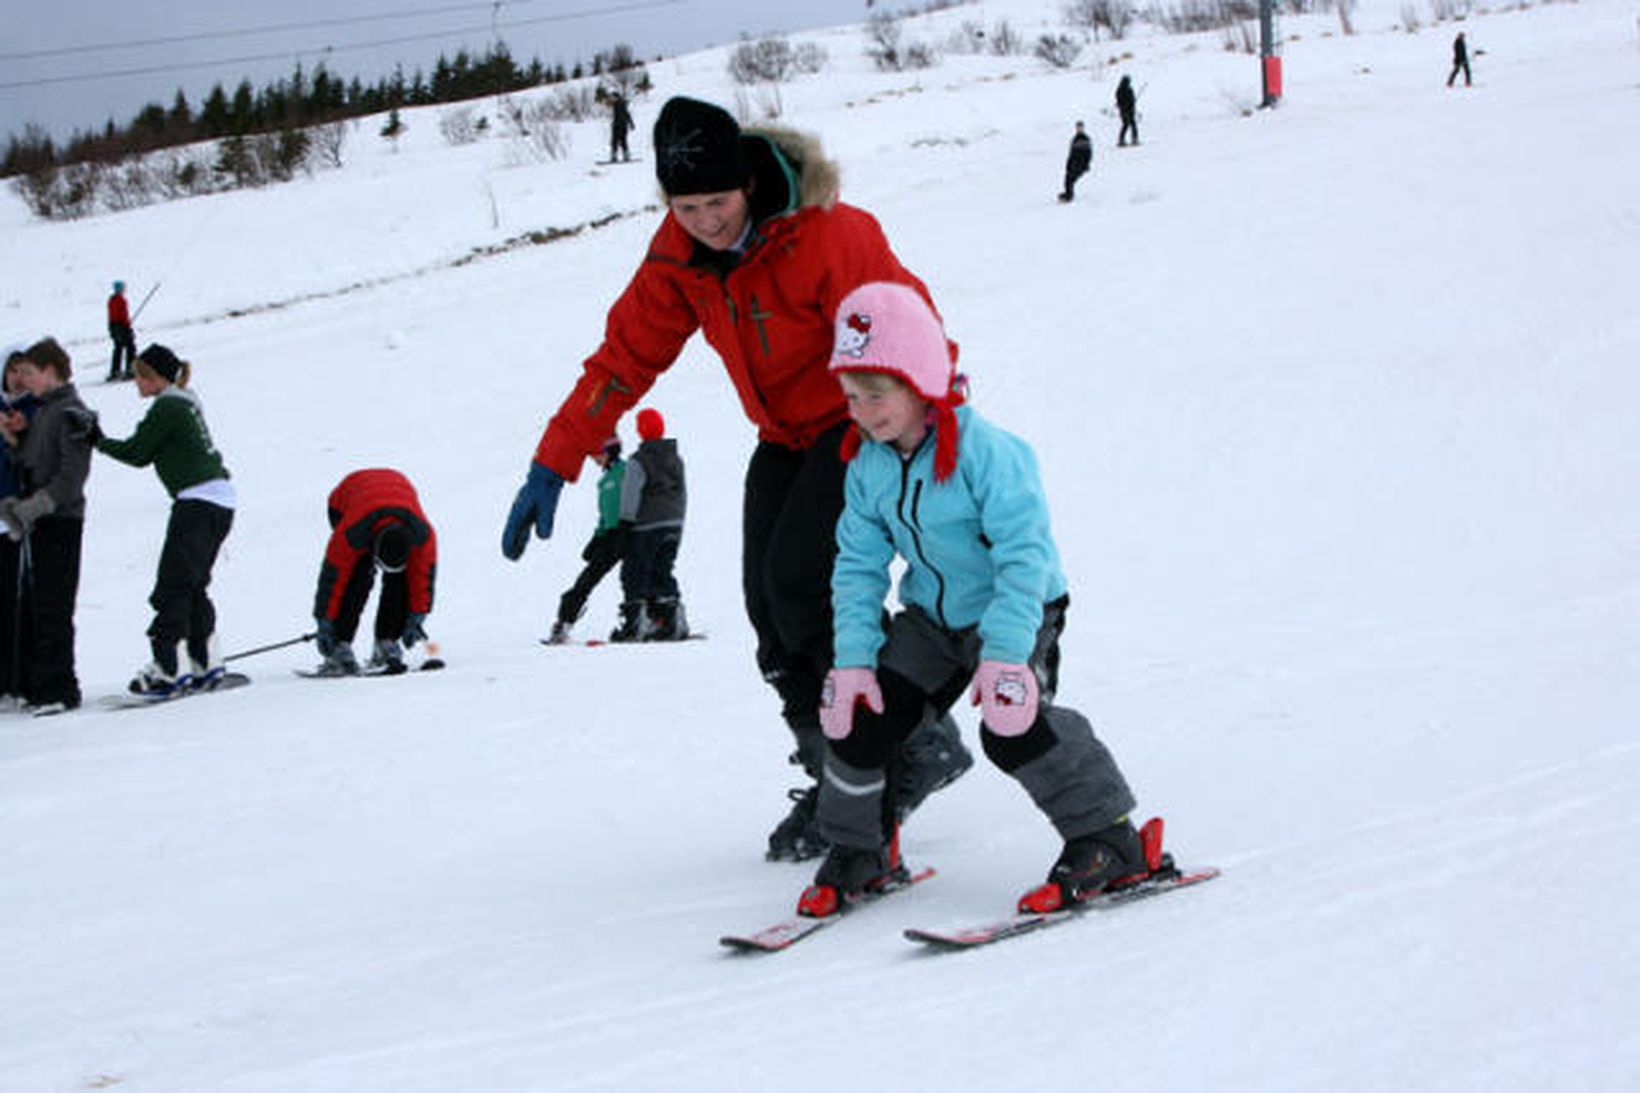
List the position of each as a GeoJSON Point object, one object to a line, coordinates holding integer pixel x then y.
{"type": "Point", "coordinates": [1335, 403]}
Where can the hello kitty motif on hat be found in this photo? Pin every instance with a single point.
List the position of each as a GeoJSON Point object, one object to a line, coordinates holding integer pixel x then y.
{"type": "Point", "coordinates": [887, 327]}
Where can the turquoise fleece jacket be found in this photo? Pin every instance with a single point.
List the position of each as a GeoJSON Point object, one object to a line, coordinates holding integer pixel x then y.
{"type": "Point", "coordinates": [977, 547]}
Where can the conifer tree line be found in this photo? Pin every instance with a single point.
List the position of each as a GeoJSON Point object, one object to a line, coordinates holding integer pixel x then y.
{"type": "Point", "coordinates": [304, 99]}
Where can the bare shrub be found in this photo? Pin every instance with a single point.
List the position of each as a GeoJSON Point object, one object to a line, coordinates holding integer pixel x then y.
{"type": "Point", "coordinates": [458, 126]}
{"type": "Point", "coordinates": [889, 53]}
{"type": "Point", "coordinates": [1058, 50]}
{"type": "Point", "coordinates": [810, 58]}
{"type": "Point", "coordinates": [1006, 41]}
{"type": "Point", "coordinates": [764, 104]}
{"type": "Point", "coordinates": [1112, 16]}
{"type": "Point", "coordinates": [767, 60]}
{"type": "Point", "coordinates": [328, 140]}
{"type": "Point", "coordinates": [534, 128]}
{"type": "Point", "coordinates": [969, 38]}
{"type": "Point", "coordinates": [565, 104]}
{"type": "Point", "coordinates": [1240, 38]}
{"type": "Point", "coordinates": [1409, 19]}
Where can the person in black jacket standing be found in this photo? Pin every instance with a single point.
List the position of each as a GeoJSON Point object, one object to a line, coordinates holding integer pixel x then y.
{"type": "Point", "coordinates": [1127, 105]}
{"type": "Point", "coordinates": [1460, 60]}
{"type": "Point", "coordinates": [653, 502]}
{"type": "Point", "coordinates": [1076, 164]}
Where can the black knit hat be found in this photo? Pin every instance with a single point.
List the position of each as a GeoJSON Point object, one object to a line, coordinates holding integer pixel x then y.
{"type": "Point", "coordinates": [697, 149]}
{"type": "Point", "coordinates": [164, 362]}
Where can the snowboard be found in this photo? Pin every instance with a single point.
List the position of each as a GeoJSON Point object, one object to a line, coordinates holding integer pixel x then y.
{"type": "Point", "coordinates": [229, 681]}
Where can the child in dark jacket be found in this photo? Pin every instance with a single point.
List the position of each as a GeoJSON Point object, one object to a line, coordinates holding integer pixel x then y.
{"type": "Point", "coordinates": [984, 602]}
{"type": "Point", "coordinates": [54, 453]}
{"type": "Point", "coordinates": [604, 550]}
{"type": "Point", "coordinates": [14, 636]}
{"type": "Point", "coordinates": [653, 501]}
{"type": "Point", "coordinates": [173, 437]}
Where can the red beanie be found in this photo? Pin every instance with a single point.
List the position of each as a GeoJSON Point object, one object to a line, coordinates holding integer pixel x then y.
{"type": "Point", "coordinates": [651, 426]}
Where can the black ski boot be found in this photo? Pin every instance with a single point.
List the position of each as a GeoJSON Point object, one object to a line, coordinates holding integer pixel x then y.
{"type": "Point", "coordinates": [797, 837]}
{"type": "Point", "coordinates": [1090, 864]}
{"type": "Point", "coordinates": [667, 621]}
{"type": "Point", "coordinates": [931, 758]}
{"type": "Point", "coordinates": [634, 622]}
{"type": "Point", "coordinates": [848, 873]}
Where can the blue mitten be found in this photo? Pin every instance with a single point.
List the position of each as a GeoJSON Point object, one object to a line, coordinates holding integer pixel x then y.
{"type": "Point", "coordinates": [535, 505]}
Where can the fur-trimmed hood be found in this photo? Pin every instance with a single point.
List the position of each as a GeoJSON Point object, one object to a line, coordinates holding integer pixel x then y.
{"type": "Point", "coordinates": [785, 160]}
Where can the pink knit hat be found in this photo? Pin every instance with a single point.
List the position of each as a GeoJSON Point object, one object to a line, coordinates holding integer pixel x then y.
{"type": "Point", "coordinates": [889, 328]}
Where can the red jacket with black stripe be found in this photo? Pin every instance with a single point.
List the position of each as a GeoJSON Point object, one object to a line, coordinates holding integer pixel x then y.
{"type": "Point", "coordinates": [768, 314]}
{"type": "Point", "coordinates": [360, 506]}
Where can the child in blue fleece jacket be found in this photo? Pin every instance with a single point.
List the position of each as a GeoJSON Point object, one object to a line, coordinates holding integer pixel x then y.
{"type": "Point", "coordinates": [983, 604]}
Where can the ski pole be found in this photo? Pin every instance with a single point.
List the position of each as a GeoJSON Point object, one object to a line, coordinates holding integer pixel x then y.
{"type": "Point", "coordinates": [137, 313]}
{"type": "Point", "coordinates": [270, 648]}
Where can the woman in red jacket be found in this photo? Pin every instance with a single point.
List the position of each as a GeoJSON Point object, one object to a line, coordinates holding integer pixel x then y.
{"type": "Point", "coordinates": [755, 252]}
{"type": "Point", "coordinates": [376, 523]}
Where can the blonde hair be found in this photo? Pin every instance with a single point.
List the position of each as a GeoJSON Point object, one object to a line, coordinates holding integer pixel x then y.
{"type": "Point", "coordinates": [877, 383]}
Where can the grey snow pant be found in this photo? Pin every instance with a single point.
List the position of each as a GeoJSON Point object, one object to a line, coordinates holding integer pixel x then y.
{"type": "Point", "coordinates": [1064, 768]}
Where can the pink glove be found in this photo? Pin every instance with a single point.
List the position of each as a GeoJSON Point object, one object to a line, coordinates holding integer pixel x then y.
{"type": "Point", "coordinates": [844, 687]}
{"type": "Point", "coordinates": [1006, 695]}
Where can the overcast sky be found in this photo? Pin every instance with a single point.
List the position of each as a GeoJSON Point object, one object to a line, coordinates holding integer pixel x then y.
{"type": "Point", "coordinates": [74, 64]}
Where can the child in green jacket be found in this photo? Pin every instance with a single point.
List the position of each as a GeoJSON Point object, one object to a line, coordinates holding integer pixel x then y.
{"type": "Point", "coordinates": [173, 437]}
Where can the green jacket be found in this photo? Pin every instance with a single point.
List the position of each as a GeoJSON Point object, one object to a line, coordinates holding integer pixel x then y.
{"type": "Point", "coordinates": [173, 437]}
{"type": "Point", "coordinates": [609, 495]}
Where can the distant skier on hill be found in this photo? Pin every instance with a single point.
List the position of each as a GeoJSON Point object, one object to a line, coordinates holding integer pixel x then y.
{"type": "Point", "coordinates": [1460, 61]}
{"type": "Point", "coordinates": [1076, 162]}
{"type": "Point", "coordinates": [755, 253]}
{"type": "Point", "coordinates": [119, 331]}
{"type": "Point", "coordinates": [620, 124]}
{"type": "Point", "coordinates": [1127, 105]}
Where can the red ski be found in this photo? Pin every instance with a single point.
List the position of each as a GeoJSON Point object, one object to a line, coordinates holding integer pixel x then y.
{"type": "Point", "coordinates": [968, 937]}
{"type": "Point", "coordinates": [788, 932]}
{"type": "Point", "coordinates": [1044, 905]}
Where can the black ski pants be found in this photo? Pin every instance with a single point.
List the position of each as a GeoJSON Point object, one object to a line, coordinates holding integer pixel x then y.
{"type": "Point", "coordinates": [125, 350]}
{"type": "Point", "coordinates": [392, 607]}
{"type": "Point", "coordinates": [50, 591]}
{"type": "Point", "coordinates": [792, 502]}
{"type": "Point", "coordinates": [14, 635]}
{"type": "Point", "coordinates": [647, 570]}
{"type": "Point", "coordinates": [182, 609]}
{"type": "Point", "coordinates": [603, 553]}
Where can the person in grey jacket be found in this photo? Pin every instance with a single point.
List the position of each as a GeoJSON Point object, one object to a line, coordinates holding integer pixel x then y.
{"type": "Point", "coordinates": [54, 452]}
{"type": "Point", "coordinates": [653, 502]}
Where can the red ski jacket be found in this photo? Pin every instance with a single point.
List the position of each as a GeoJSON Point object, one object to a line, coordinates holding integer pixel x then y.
{"type": "Point", "coordinates": [768, 316]}
{"type": "Point", "coordinates": [361, 505]}
{"type": "Point", "coordinates": [118, 312]}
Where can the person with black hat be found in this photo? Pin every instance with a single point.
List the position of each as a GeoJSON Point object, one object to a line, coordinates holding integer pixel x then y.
{"type": "Point", "coordinates": [604, 550]}
{"type": "Point", "coordinates": [376, 522]}
{"type": "Point", "coordinates": [755, 252]}
{"type": "Point", "coordinates": [173, 437]}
